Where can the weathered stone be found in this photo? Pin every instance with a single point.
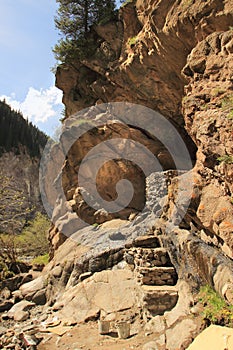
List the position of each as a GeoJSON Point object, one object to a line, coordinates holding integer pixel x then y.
{"type": "Point", "coordinates": [213, 338]}
{"type": "Point", "coordinates": [4, 316]}
{"type": "Point", "coordinates": [157, 275]}
{"type": "Point", "coordinates": [117, 236]}
{"type": "Point", "coordinates": [21, 306]}
{"type": "Point", "coordinates": [150, 346]}
{"type": "Point", "coordinates": [161, 341]}
{"type": "Point", "coordinates": [146, 241]}
{"type": "Point", "coordinates": [39, 298]}
{"type": "Point", "coordinates": [6, 305]}
{"type": "Point", "coordinates": [15, 282]}
{"type": "Point", "coordinates": [57, 271]}
{"type": "Point", "coordinates": [85, 275]}
{"type": "Point", "coordinates": [5, 293]}
{"type": "Point", "coordinates": [147, 257]}
{"type": "Point", "coordinates": [21, 316]}
{"type": "Point", "coordinates": [17, 295]}
{"type": "Point", "coordinates": [30, 288]}
{"type": "Point", "coordinates": [2, 330]}
{"type": "Point", "coordinates": [158, 300]}
{"type": "Point", "coordinates": [155, 325]}
{"type": "Point", "coordinates": [182, 308]}
{"type": "Point", "coordinates": [38, 267]}
{"type": "Point", "coordinates": [197, 262]}
{"type": "Point", "coordinates": [110, 291]}
{"type": "Point", "coordinates": [181, 335]}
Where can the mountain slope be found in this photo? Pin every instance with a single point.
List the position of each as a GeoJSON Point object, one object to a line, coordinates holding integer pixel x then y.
{"type": "Point", "coordinates": [18, 134]}
{"type": "Point", "coordinates": [21, 145]}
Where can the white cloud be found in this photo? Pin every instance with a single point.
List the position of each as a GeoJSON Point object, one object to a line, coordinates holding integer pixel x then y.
{"type": "Point", "coordinates": [39, 105]}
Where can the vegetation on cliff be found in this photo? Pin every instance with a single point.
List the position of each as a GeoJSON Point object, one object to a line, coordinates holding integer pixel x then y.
{"type": "Point", "coordinates": [215, 309]}
{"type": "Point", "coordinates": [16, 132]}
{"type": "Point", "coordinates": [31, 244]}
{"type": "Point", "coordinates": [23, 228]}
{"type": "Point", "coordinates": [74, 20]}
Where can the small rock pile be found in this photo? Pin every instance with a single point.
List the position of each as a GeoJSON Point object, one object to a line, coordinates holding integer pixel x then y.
{"type": "Point", "coordinates": [18, 338]}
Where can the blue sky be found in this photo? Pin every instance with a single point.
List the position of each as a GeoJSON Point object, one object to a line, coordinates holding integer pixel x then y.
{"type": "Point", "coordinates": [27, 35]}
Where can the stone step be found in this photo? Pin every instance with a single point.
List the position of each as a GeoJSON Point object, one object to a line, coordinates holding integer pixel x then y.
{"type": "Point", "coordinates": [157, 299]}
{"type": "Point", "coordinates": [158, 275]}
{"type": "Point", "coordinates": [146, 242]}
{"type": "Point", "coordinates": [152, 289]}
{"type": "Point", "coordinates": [150, 257]}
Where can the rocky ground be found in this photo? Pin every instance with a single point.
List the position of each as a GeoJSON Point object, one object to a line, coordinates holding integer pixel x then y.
{"type": "Point", "coordinates": [136, 282]}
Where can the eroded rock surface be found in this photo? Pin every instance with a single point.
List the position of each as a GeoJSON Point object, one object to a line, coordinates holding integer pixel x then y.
{"type": "Point", "coordinates": [176, 58]}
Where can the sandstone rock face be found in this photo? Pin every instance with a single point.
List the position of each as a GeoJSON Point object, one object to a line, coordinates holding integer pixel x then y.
{"type": "Point", "coordinates": [208, 114]}
{"type": "Point", "coordinates": [148, 57]}
{"type": "Point", "coordinates": [108, 176]}
{"type": "Point", "coordinates": [176, 58]}
{"type": "Point", "coordinates": [106, 291]}
{"type": "Point", "coordinates": [147, 69]}
{"type": "Point", "coordinates": [106, 166]}
{"type": "Point", "coordinates": [213, 337]}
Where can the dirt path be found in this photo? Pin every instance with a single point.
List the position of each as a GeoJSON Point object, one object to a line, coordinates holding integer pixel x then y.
{"type": "Point", "coordinates": [86, 337]}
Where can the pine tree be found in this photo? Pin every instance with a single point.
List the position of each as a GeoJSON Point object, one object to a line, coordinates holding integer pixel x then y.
{"type": "Point", "coordinates": [74, 20]}
{"type": "Point", "coordinates": [15, 131]}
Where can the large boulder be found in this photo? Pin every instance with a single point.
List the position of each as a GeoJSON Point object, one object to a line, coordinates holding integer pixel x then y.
{"type": "Point", "coordinates": [28, 290]}
{"type": "Point", "coordinates": [213, 338]}
{"type": "Point", "coordinates": [107, 291]}
{"type": "Point", "coordinates": [22, 306]}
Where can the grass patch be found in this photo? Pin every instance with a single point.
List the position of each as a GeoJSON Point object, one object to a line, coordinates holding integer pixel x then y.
{"type": "Point", "coordinates": [227, 105]}
{"type": "Point", "coordinates": [187, 3]}
{"type": "Point", "coordinates": [41, 259]}
{"type": "Point", "coordinates": [132, 41]}
{"type": "Point", "coordinates": [230, 115]}
{"type": "Point", "coordinates": [215, 308]}
{"type": "Point", "coordinates": [226, 159]}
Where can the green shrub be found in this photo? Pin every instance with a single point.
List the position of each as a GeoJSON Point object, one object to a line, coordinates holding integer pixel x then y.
{"type": "Point", "coordinates": [227, 105]}
{"type": "Point", "coordinates": [41, 259]}
{"type": "Point", "coordinates": [34, 238]}
{"type": "Point", "coordinates": [132, 41]}
{"type": "Point", "coordinates": [215, 309]}
{"type": "Point", "coordinates": [226, 159]}
{"type": "Point", "coordinates": [230, 115]}
{"type": "Point", "coordinates": [187, 3]}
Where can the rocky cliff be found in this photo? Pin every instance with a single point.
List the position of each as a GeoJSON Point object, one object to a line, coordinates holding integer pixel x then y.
{"type": "Point", "coordinates": [174, 57]}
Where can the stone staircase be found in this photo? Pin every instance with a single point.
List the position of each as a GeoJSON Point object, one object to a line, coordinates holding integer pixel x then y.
{"type": "Point", "coordinates": [154, 272]}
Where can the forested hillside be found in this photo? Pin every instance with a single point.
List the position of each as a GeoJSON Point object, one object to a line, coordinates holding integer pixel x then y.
{"type": "Point", "coordinates": [17, 133]}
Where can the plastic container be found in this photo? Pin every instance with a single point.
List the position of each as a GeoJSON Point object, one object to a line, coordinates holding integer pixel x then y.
{"type": "Point", "coordinates": [123, 330]}
{"type": "Point", "coordinates": [103, 326]}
